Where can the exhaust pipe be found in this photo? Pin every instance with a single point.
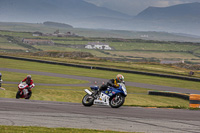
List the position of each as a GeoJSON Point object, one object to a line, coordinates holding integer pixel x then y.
{"type": "Point", "coordinates": [88, 92]}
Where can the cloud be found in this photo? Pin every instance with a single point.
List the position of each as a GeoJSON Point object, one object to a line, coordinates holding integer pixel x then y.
{"type": "Point", "coordinates": [133, 7]}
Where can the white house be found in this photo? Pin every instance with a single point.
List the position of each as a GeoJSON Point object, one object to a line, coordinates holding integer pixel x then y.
{"type": "Point", "coordinates": [98, 45]}
{"type": "Point", "coordinates": [88, 47]}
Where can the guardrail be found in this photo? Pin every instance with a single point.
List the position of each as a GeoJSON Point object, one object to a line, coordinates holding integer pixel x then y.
{"type": "Point", "coordinates": [170, 94]}
{"type": "Point", "coordinates": [103, 68]}
{"type": "Point", "coordinates": [194, 99]}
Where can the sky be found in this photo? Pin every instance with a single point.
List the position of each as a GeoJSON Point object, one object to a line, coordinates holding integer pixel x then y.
{"type": "Point", "coordinates": [133, 7]}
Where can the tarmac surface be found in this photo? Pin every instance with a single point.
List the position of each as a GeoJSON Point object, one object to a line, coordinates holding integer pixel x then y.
{"type": "Point", "coordinates": [22, 112]}
{"type": "Point", "coordinates": [74, 115]}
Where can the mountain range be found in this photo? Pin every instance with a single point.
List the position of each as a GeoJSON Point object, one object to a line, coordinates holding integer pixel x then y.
{"type": "Point", "coordinates": [183, 18]}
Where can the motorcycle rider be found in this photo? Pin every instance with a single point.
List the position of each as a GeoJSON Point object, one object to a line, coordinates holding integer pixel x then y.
{"type": "Point", "coordinates": [30, 84]}
{"type": "Point", "coordinates": [112, 83]}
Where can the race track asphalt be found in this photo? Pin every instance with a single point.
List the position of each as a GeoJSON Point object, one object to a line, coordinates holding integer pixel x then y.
{"type": "Point", "coordinates": [74, 115]}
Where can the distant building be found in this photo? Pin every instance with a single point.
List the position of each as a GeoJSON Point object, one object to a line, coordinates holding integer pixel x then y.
{"type": "Point", "coordinates": [170, 62]}
{"type": "Point", "coordinates": [37, 33]}
{"type": "Point", "coordinates": [98, 45]}
{"type": "Point", "coordinates": [37, 41]}
{"type": "Point", "coordinates": [144, 36]}
{"type": "Point", "coordinates": [57, 33]}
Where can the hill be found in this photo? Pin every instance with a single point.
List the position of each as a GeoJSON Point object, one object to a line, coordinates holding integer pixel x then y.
{"type": "Point", "coordinates": [187, 12]}
{"type": "Point", "coordinates": [183, 18]}
{"type": "Point", "coordinates": [125, 34]}
{"type": "Point", "coordinates": [66, 11]}
{"type": "Point", "coordinates": [55, 24]}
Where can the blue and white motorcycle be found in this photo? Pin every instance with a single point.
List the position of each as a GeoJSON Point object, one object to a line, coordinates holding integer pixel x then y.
{"type": "Point", "coordinates": [113, 97]}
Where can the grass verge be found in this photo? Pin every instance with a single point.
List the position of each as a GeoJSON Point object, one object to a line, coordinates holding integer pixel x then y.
{"type": "Point", "coordinates": [30, 129]}
{"type": "Point", "coordinates": [42, 67]}
{"type": "Point", "coordinates": [136, 96]}
{"type": "Point", "coordinates": [17, 77]}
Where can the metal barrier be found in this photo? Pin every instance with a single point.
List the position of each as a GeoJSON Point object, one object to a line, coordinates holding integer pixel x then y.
{"type": "Point", "coordinates": [170, 94]}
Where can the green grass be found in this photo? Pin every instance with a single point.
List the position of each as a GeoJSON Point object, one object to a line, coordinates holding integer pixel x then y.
{"type": "Point", "coordinates": [136, 96]}
{"type": "Point", "coordinates": [48, 93]}
{"type": "Point", "coordinates": [135, 48]}
{"type": "Point", "coordinates": [31, 27]}
{"type": "Point", "coordinates": [31, 129]}
{"type": "Point", "coordinates": [155, 101]}
{"type": "Point", "coordinates": [75, 42]}
{"type": "Point", "coordinates": [152, 46]}
{"type": "Point", "coordinates": [17, 77]}
{"type": "Point", "coordinates": [42, 67]}
{"type": "Point", "coordinates": [149, 67]}
{"type": "Point", "coordinates": [155, 54]}
{"type": "Point", "coordinates": [6, 44]}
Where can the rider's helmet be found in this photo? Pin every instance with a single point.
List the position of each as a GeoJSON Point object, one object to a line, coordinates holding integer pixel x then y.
{"type": "Point", "coordinates": [120, 78]}
{"type": "Point", "coordinates": [28, 79]}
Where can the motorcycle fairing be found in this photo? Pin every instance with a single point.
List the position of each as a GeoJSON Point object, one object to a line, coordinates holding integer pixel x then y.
{"type": "Point", "coordinates": [25, 91]}
{"type": "Point", "coordinates": [112, 91]}
{"type": "Point", "coordinates": [94, 87]}
{"type": "Point", "coordinates": [103, 99]}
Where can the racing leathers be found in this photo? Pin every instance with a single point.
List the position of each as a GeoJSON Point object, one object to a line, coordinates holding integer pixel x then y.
{"type": "Point", "coordinates": [30, 84]}
{"type": "Point", "coordinates": [110, 83]}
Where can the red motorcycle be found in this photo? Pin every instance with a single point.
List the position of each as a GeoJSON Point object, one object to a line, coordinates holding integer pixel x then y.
{"type": "Point", "coordinates": [23, 91]}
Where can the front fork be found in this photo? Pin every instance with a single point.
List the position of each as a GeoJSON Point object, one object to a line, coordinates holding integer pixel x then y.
{"type": "Point", "coordinates": [116, 98]}
{"type": "Point", "coordinates": [21, 92]}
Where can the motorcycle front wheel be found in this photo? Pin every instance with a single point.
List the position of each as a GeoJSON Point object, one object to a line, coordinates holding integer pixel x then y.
{"type": "Point", "coordinates": [18, 95]}
{"type": "Point", "coordinates": [88, 100]}
{"type": "Point", "coordinates": [117, 101]}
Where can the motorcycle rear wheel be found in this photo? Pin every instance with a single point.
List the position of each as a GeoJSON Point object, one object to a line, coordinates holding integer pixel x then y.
{"type": "Point", "coordinates": [88, 100]}
{"type": "Point", "coordinates": [117, 101]}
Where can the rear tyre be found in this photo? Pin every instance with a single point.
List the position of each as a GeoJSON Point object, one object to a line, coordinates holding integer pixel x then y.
{"type": "Point", "coordinates": [29, 95]}
{"type": "Point", "coordinates": [88, 100]}
{"type": "Point", "coordinates": [18, 95]}
{"type": "Point", "coordinates": [117, 101]}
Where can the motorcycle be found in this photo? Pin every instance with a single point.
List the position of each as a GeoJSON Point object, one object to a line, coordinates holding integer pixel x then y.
{"type": "Point", "coordinates": [23, 91]}
{"type": "Point", "coordinates": [113, 97]}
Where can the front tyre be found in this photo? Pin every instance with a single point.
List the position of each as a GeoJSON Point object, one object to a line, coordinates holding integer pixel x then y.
{"type": "Point", "coordinates": [18, 95]}
{"type": "Point", "coordinates": [88, 100]}
{"type": "Point", "coordinates": [117, 101]}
